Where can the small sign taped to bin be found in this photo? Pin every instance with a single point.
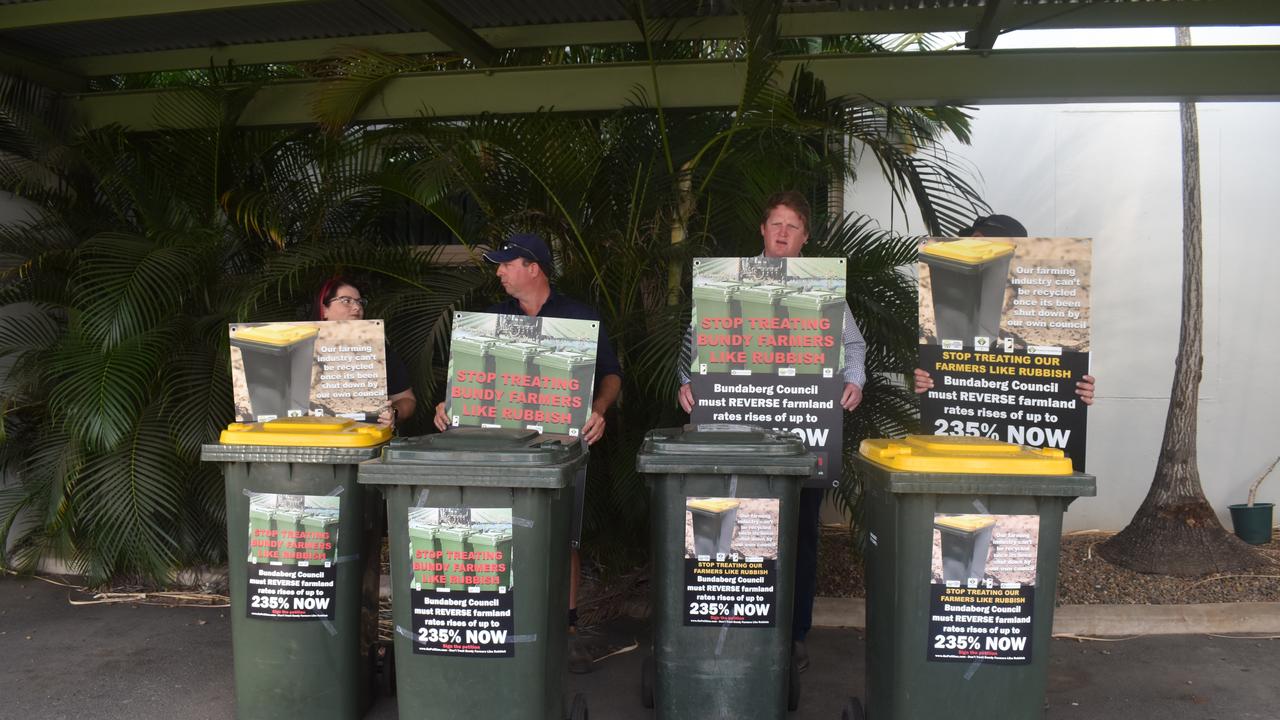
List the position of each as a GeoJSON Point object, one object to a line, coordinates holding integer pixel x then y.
{"type": "Point", "coordinates": [462, 588]}
{"type": "Point", "coordinates": [731, 561]}
{"type": "Point", "coordinates": [982, 588]}
{"type": "Point", "coordinates": [293, 541]}
{"type": "Point", "coordinates": [516, 371]}
{"type": "Point", "coordinates": [1004, 335]}
{"type": "Point", "coordinates": [320, 368]}
{"type": "Point", "coordinates": [768, 349]}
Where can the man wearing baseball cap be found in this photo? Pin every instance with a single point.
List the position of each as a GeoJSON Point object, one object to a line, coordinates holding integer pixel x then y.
{"type": "Point", "coordinates": [525, 267]}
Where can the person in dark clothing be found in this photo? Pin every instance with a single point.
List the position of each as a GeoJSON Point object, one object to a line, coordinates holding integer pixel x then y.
{"type": "Point", "coordinates": [340, 299]}
{"type": "Point", "coordinates": [525, 267]}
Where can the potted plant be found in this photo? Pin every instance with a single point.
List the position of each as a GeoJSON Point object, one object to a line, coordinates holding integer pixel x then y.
{"type": "Point", "coordinates": [1252, 521]}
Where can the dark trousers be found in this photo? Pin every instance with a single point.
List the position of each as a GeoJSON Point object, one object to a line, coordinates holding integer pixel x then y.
{"type": "Point", "coordinates": [806, 562]}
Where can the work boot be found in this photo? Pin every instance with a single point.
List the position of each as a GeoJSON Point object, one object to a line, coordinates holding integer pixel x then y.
{"type": "Point", "coordinates": [580, 660]}
{"type": "Point", "coordinates": [800, 655]}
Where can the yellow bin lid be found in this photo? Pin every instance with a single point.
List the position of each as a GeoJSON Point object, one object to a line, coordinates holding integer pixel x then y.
{"type": "Point", "coordinates": [970, 251]}
{"type": "Point", "coordinates": [713, 505]}
{"type": "Point", "coordinates": [280, 334]}
{"type": "Point", "coordinates": [965, 523]}
{"type": "Point", "coordinates": [307, 431]}
{"type": "Point", "coordinates": [953, 455]}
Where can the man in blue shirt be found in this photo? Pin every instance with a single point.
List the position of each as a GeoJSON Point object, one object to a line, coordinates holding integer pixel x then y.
{"type": "Point", "coordinates": [525, 267]}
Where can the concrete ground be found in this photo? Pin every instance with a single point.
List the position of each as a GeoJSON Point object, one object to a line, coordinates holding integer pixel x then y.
{"type": "Point", "coordinates": [117, 662]}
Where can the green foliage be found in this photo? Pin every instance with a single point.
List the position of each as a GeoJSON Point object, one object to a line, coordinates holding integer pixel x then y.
{"type": "Point", "coordinates": [117, 290]}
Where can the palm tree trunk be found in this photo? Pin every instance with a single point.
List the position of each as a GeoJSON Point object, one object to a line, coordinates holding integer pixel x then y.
{"type": "Point", "coordinates": [1175, 531]}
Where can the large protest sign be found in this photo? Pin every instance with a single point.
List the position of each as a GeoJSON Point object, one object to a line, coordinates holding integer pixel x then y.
{"type": "Point", "coordinates": [1004, 334]}
{"type": "Point", "coordinates": [334, 368]}
{"type": "Point", "coordinates": [462, 589]}
{"type": "Point", "coordinates": [291, 569]}
{"type": "Point", "coordinates": [767, 349]}
{"type": "Point", "coordinates": [520, 371]}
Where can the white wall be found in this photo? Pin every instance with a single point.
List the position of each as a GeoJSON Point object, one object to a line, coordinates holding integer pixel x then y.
{"type": "Point", "coordinates": [1112, 173]}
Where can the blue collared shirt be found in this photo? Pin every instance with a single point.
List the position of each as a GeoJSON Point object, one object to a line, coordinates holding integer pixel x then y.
{"type": "Point", "coordinates": [561, 306]}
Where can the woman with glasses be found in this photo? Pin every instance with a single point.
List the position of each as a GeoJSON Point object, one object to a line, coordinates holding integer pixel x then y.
{"type": "Point", "coordinates": [340, 299]}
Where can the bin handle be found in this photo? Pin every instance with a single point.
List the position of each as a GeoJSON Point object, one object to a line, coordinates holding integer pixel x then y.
{"type": "Point", "coordinates": [720, 427]}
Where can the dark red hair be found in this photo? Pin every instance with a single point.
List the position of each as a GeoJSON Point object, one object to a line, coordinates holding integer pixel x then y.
{"type": "Point", "coordinates": [328, 291]}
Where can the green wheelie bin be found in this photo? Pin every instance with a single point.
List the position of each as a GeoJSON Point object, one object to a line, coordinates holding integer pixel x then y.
{"type": "Point", "coordinates": [962, 569]}
{"type": "Point", "coordinates": [761, 302]}
{"type": "Point", "coordinates": [471, 370]}
{"type": "Point", "coordinates": [815, 307]}
{"type": "Point", "coordinates": [968, 279]}
{"type": "Point", "coordinates": [717, 299]}
{"type": "Point", "coordinates": [568, 366]}
{"type": "Point", "coordinates": [513, 359]}
{"type": "Point", "coordinates": [278, 359]}
{"type": "Point", "coordinates": [724, 503]}
{"type": "Point", "coordinates": [469, 641]}
{"type": "Point", "coordinates": [295, 523]}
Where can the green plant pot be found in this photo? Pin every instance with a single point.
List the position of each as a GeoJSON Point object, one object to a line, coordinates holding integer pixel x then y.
{"type": "Point", "coordinates": [1252, 523]}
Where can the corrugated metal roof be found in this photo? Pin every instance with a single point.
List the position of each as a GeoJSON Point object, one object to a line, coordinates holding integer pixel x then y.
{"type": "Point", "coordinates": [337, 19]}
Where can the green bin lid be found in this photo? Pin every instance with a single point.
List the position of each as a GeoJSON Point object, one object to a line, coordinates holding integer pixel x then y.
{"type": "Point", "coordinates": [515, 351]}
{"type": "Point", "coordinates": [959, 455]}
{"type": "Point", "coordinates": [453, 534]}
{"type": "Point", "coordinates": [761, 293]}
{"type": "Point", "coordinates": [813, 299]}
{"type": "Point", "coordinates": [473, 345]}
{"type": "Point", "coordinates": [494, 457]}
{"type": "Point", "coordinates": [563, 360]}
{"type": "Point", "coordinates": [716, 291]}
{"type": "Point", "coordinates": [490, 539]}
{"type": "Point", "coordinates": [724, 449]}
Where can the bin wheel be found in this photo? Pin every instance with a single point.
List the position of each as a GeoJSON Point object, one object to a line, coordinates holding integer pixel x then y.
{"type": "Point", "coordinates": [648, 676]}
{"type": "Point", "coordinates": [853, 710]}
{"type": "Point", "coordinates": [387, 654]}
{"type": "Point", "coordinates": [578, 711]}
{"type": "Point", "coordinates": [382, 670]}
{"type": "Point", "coordinates": [793, 689]}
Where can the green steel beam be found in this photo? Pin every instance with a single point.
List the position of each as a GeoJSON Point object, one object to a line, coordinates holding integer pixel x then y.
{"type": "Point", "coordinates": [39, 69]}
{"type": "Point", "coordinates": [446, 28]}
{"type": "Point", "coordinates": [995, 17]}
{"type": "Point", "coordinates": [43, 13]}
{"type": "Point", "coordinates": [807, 24]}
{"type": "Point", "coordinates": [978, 77]}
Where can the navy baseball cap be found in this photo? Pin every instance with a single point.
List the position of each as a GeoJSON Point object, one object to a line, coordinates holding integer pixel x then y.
{"type": "Point", "coordinates": [995, 226]}
{"type": "Point", "coordinates": [527, 246]}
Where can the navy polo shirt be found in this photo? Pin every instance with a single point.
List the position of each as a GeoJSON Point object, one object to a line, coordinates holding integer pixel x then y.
{"type": "Point", "coordinates": [560, 306]}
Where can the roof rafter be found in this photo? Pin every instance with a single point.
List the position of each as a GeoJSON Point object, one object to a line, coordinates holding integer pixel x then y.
{"type": "Point", "coordinates": [988, 77]}
{"type": "Point", "coordinates": [994, 15]}
{"type": "Point", "coordinates": [458, 37]}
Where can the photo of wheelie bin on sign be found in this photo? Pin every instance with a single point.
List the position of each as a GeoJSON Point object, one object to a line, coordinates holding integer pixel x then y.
{"type": "Point", "coordinates": [295, 517]}
{"type": "Point", "coordinates": [724, 503]}
{"type": "Point", "coordinates": [969, 280]}
{"type": "Point", "coordinates": [278, 359]}
{"type": "Point", "coordinates": [478, 524]}
{"type": "Point", "coordinates": [962, 567]}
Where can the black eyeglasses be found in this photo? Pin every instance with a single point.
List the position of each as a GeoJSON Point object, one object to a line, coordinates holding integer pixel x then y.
{"type": "Point", "coordinates": [348, 301]}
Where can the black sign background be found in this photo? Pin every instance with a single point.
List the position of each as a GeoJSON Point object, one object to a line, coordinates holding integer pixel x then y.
{"type": "Point", "coordinates": [1001, 395]}
{"type": "Point", "coordinates": [291, 592]}
{"type": "Point", "coordinates": [770, 401]}
{"type": "Point", "coordinates": [463, 623]}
